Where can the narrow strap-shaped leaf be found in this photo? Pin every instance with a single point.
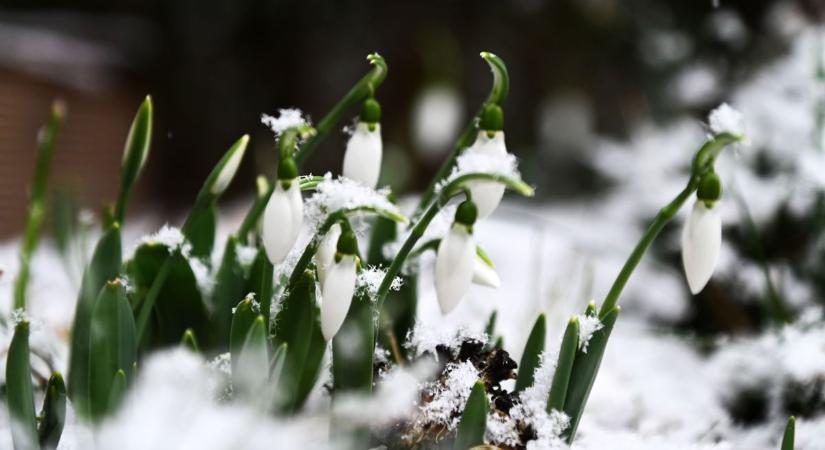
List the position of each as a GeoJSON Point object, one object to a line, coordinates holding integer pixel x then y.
{"type": "Point", "coordinates": [135, 153]}
{"type": "Point", "coordinates": [531, 357]}
{"type": "Point", "coordinates": [189, 341]}
{"type": "Point", "coordinates": [53, 414]}
{"type": "Point", "coordinates": [473, 422]}
{"type": "Point", "coordinates": [19, 392]}
{"type": "Point", "coordinates": [585, 369]}
{"type": "Point", "coordinates": [105, 265]}
{"type": "Point", "coordinates": [490, 328]}
{"type": "Point", "coordinates": [118, 390]}
{"type": "Point", "coordinates": [251, 371]}
{"type": "Point", "coordinates": [230, 285]}
{"type": "Point", "coordinates": [241, 323]}
{"type": "Point", "coordinates": [276, 366]}
{"type": "Point", "coordinates": [353, 348]}
{"type": "Point", "coordinates": [564, 366]}
{"type": "Point", "coordinates": [788, 437]}
{"type": "Point", "coordinates": [260, 282]}
{"type": "Point", "coordinates": [37, 199]}
{"type": "Point", "coordinates": [199, 230]}
{"type": "Point", "coordinates": [298, 325]}
{"type": "Point", "coordinates": [113, 344]}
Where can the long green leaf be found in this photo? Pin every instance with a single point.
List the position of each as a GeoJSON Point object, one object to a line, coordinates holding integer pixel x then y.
{"type": "Point", "coordinates": [19, 392]}
{"type": "Point", "coordinates": [189, 341]}
{"type": "Point", "coordinates": [564, 366]}
{"type": "Point", "coordinates": [788, 437]}
{"type": "Point", "coordinates": [135, 153]}
{"type": "Point", "coordinates": [298, 325]}
{"type": "Point", "coordinates": [585, 369]}
{"type": "Point", "coordinates": [105, 265]}
{"type": "Point", "coordinates": [260, 282]}
{"type": "Point", "coordinates": [242, 322]}
{"type": "Point", "coordinates": [37, 198]}
{"type": "Point", "coordinates": [531, 357]}
{"type": "Point", "coordinates": [473, 422]}
{"type": "Point", "coordinates": [251, 372]}
{"type": "Point", "coordinates": [118, 391]}
{"type": "Point", "coordinates": [113, 343]}
{"type": "Point", "coordinates": [199, 230]}
{"type": "Point", "coordinates": [53, 414]}
{"type": "Point", "coordinates": [230, 286]}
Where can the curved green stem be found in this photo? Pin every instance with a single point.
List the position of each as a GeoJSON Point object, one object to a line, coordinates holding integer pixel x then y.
{"type": "Point", "coordinates": [363, 88]}
{"type": "Point", "coordinates": [662, 218]}
{"type": "Point", "coordinates": [498, 93]}
{"type": "Point", "coordinates": [453, 188]}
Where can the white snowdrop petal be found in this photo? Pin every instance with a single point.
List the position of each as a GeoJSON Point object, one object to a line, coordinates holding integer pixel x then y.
{"type": "Point", "coordinates": [362, 160]}
{"type": "Point", "coordinates": [279, 221]}
{"type": "Point", "coordinates": [487, 195]}
{"type": "Point", "coordinates": [229, 169]}
{"type": "Point", "coordinates": [325, 254]}
{"type": "Point", "coordinates": [297, 207]}
{"type": "Point", "coordinates": [336, 295]}
{"type": "Point", "coordinates": [701, 241]}
{"type": "Point", "coordinates": [485, 275]}
{"type": "Point", "coordinates": [454, 266]}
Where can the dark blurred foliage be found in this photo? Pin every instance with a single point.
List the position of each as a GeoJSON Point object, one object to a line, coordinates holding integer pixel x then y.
{"type": "Point", "coordinates": [215, 66]}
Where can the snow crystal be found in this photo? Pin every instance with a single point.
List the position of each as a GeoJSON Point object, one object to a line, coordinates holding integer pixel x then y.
{"type": "Point", "coordinates": [337, 194]}
{"type": "Point", "coordinates": [169, 237]}
{"type": "Point", "coordinates": [370, 279]}
{"type": "Point", "coordinates": [287, 118]}
{"type": "Point", "coordinates": [246, 255]}
{"type": "Point", "coordinates": [505, 165]}
{"type": "Point", "coordinates": [424, 339]}
{"type": "Point", "coordinates": [449, 396]}
{"type": "Point", "coordinates": [587, 326]}
{"type": "Point", "coordinates": [725, 119]}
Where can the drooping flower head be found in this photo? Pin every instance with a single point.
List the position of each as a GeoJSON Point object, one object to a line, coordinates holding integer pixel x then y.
{"type": "Point", "coordinates": [362, 160]}
{"type": "Point", "coordinates": [338, 286]}
{"type": "Point", "coordinates": [489, 142]}
{"type": "Point", "coordinates": [702, 235]}
{"type": "Point", "coordinates": [456, 258]}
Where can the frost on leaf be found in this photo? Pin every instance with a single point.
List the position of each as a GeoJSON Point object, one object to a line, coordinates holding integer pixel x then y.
{"type": "Point", "coordinates": [370, 280]}
{"type": "Point", "coordinates": [337, 194]}
{"type": "Point", "coordinates": [587, 326]}
{"type": "Point", "coordinates": [505, 165]}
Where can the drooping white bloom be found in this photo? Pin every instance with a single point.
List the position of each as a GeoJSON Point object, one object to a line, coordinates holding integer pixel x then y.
{"type": "Point", "coordinates": [282, 222]}
{"type": "Point", "coordinates": [336, 294]}
{"type": "Point", "coordinates": [701, 241]}
{"type": "Point", "coordinates": [362, 160]}
{"type": "Point", "coordinates": [487, 194]}
{"type": "Point", "coordinates": [484, 274]}
{"type": "Point", "coordinates": [454, 267]}
{"type": "Point", "coordinates": [325, 254]}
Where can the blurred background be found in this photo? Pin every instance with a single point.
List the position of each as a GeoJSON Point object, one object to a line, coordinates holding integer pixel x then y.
{"type": "Point", "coordinates": [579, 68]}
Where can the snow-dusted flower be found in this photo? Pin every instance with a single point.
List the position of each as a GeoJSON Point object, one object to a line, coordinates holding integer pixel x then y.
{"type": "Point", "coordinates": [489, 142]}
{"type": "Point", "coordinates": [338, 286]}
{"type": "Point", "coordinates": [456, 259]}
{"type": "Point", "coordinates": [325, 255]}
{"type": "Point", "coordinates": [282, 221]}
{"type": "Point", "coordinates": [702, 235]}
{"type": "Point", "coordinates": [362, 160]}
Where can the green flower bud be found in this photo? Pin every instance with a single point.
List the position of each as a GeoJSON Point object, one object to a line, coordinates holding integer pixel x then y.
{"type": "Point", "coordinates": [371, 111]}
{"type": "Point", "coordinates": [347, 243]}
{"type": "Point", "coordinates": [710, 187]}
{"type": "Point", "coordinates": [287, 169]}
{"type": "Point", "coordinates": [466, 213]}
{"type": "Point", "coordinates": [492, 118]}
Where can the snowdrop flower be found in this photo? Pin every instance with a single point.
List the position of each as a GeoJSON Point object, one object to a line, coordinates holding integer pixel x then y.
{"type": "Point", "coordinates": [338, 286]}
{"type": "Point", "coordinates": [284, 213]}
{"type": "Point", "coordinates": [485, 274]}
{"type": "Point", "coordinates": [702, 235]}
{"type": "Point", "coordinates": [489, 141]}
{"type": "Point", "coordinates": [456, 258]}
{"type": "Point", "coordinates": [362, 160]}
{"type": "Point", "coordinates": [325, 255]}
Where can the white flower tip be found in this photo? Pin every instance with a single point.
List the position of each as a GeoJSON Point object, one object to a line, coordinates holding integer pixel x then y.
{"type": "Point", "coordinates": [485, 275]}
